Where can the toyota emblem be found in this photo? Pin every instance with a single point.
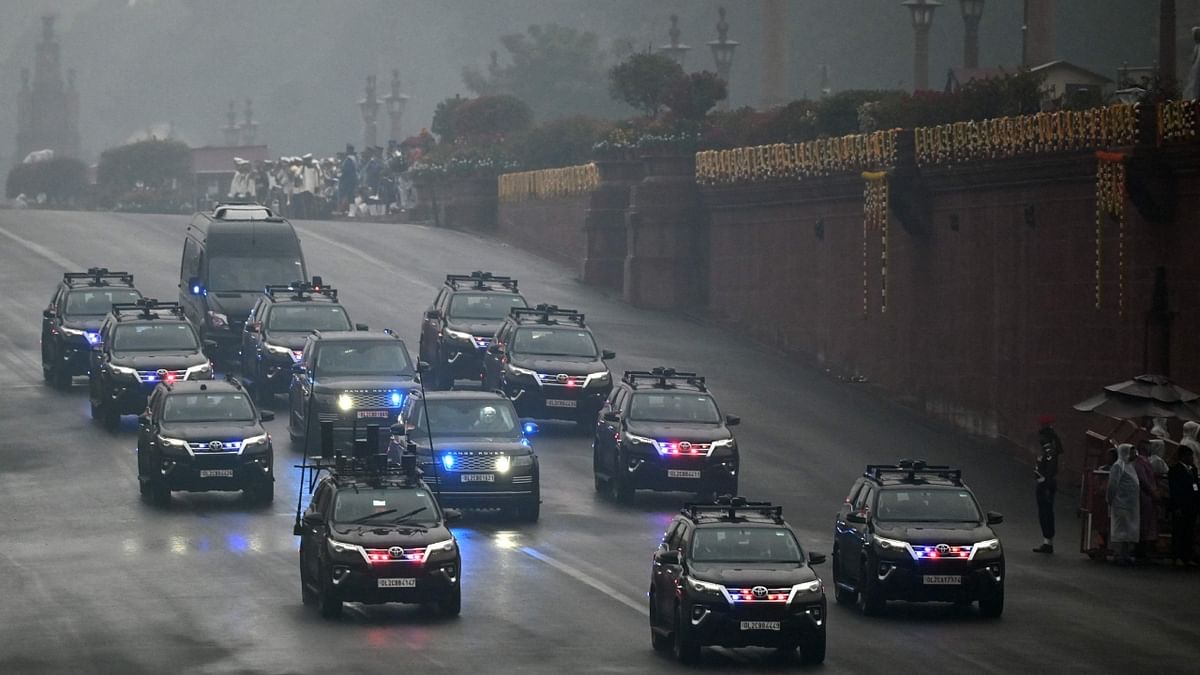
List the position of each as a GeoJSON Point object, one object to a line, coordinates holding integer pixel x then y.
{"type": "Point", "coordinates": [759, 591]}
{"type": "Point", "coordinates": [214, 445]}
{"type": "Point", "coordinates": [161, 371]}
{"type": "Point", "coordinates": [562, 377]}
{"type": "Point", "coordinates": [943, 549]}
{"type": "Point", "coordinates": [685, 446]}
{"type": "Point", "coordinates": [396, 552]}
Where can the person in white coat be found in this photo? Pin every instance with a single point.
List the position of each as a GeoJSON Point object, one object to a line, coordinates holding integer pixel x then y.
{"type": "Point", "coordinates": [242, 186]}
{"type": "Point", "coordinates": [1123, 505]}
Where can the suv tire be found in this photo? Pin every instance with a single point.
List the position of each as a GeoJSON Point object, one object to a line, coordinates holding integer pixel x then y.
{"type": "Point", "coordinates": [307, 595]}
{"type": "Point", "coordinates": [618, 490]}
{"type": "Point", "coordinates": [870, 598]}
{"type": "Point", "coordinates": [451, 603]}
{"type": "Point", "coordinates": [660, 642]}
{"type": "Point", "coordinates": [160, 494]}
{"type": "Point", "coordinates": [683, 645]}
{"type": "Point", "coordinates": [841, 594]}
{"type": "Point", "coordinates": [328, 603]}
{"type": "Point", "coordinates": [991, 605]}
{"type": "Point", "coordinates": [812, 649]}
{"type": "Point", "coordinates": [529, 509]}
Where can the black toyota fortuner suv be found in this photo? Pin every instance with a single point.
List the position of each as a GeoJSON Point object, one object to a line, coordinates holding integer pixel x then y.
{"type": "Point", "coordinates": [201, 437]}
{"type": "Point", "coordinates": [375, 534]}
{"type": "Point", "coordinates": [915, 532]}
{"type": "Point", "coordinates": [481, 455]}
{"type": "Point", "coordinates": [662, 430]}
{"type": "Point", "coordinates": [460, 324]}
{"type": "Point", "coordinates": [141, 344]}
{"type": "Point", "coordinates": [71, 323]}
{"type": "Point", "coordinates": [731, 573]}
{"type": "Point", "coordinates": [546, 360]}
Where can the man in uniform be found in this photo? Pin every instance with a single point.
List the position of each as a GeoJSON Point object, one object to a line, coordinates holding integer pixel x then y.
{"type": "Point", "coordinates": [1049, 448]}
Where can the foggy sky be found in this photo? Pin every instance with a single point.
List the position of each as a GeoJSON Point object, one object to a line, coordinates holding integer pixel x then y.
{"type": "Point", "coordinates": [142, 62]}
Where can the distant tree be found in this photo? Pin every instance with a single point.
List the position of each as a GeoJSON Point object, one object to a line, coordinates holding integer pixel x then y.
{"type": "Point", "coordinates": [149, 164]}
{"type": "Point", "coordinates": [62, 180]}
{"type": "Point", "coordinates": [691, 96]}
{"type": "Point", "coordinates": [557, 70]}
{"type": "Point", "coordinates": [643, 81]}
{"type": "Point", "coordinates": [443, 118]}
{"type": "Point", "coordinates": [563, 142]}
{"type": "Point", "coordinates": [490, 117]}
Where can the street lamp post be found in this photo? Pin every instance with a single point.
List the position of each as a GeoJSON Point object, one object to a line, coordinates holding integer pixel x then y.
{"type": "Point", "coordinates": [396, 103]}
{"type": "Point", "coordinates": [922, 19]}
{"type": "Point", "coordinates": [972, 12]}
{"type": "Point", "coordinates": [676, 49]}
{"type": "Point", "coordinates": [370, 112]}
{"type": "Point", "coordinates": [722, 51]}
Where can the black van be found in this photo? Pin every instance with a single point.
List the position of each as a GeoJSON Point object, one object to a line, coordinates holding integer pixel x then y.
{"type": "Point", "coordinates": [229, 256]}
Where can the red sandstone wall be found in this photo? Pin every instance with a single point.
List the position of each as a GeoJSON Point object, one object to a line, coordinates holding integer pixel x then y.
{"type": "Point", "coordinates": [549, 227]}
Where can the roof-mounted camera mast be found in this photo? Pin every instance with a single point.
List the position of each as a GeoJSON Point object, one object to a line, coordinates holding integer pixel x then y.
{"type": "Point", "coordinates": [481, 281]}
{"type": "Point", "coordinates": [733, 509]}
{"type": "Point", "coordinates": [148, 308]}
{"type": "Point", "coordinates": [547, 315]}
{"type": "Point", "coordinates": [301, 290]}
{"type": "Point", "coordinates": [662, 378]}
{"type": "Point", "coordinates": [97, 276]}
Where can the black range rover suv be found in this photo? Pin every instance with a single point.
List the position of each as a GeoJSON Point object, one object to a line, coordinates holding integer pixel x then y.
{"type": "Point", "coordinates": [460, 324]}
{"type": "Point", "coordinates": [915, 532]}
{"type": "Point", "coordinates": [546, 360]}
{"type": "Point", "coordinates": [204, 436]}
{"type": "Point", "coordinates": [731, 573]}
{"type": "Point", "coordinates": [662, 430]}
{"type": "Point", "coordinates": [71, 323]}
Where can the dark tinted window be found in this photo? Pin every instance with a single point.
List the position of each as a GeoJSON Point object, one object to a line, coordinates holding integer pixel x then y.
{"type": "Point", "coordinates": [930, 505]}
{"type": "Point", "coordinates": [97, 301]}
{"type": "Point", "coordinates": [252, 274]}
{"type": "Point", "coordinates": [483, 306]}
{"type": "Point", "coordinates": [304, 318]}
{"type": "Point", "coordinates": [361, 357]}
{"type": "Point", "coordinates": [744, 544]}
{"type": "Point", "coordinates": [155, 337]}
{"type": "Point", "coordinates": [207, 407]}
{"type": "Point", "coordinates": [471, 417]}
{"type": "Point", "coordinates": [554, 342]}
{"type": "Point", "coordinates": [361, 504]}
{"type": "Point", "coordinates": [673, 407]}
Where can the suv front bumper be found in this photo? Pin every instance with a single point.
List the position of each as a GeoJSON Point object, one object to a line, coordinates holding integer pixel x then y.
{"type": "Point", "coordinates": [719, 623]}
{"type": "Point", "coordinates": [503, 490]}
{"type": "Point", "coordinates": [217, 473]}
{"type": "Point", "coordinates": [900, 579]}
{"type": "Point", "coordinates": [360, 583]}
{"type": "Point", "coordinates": [643, 471]}
{"type": "Point", "coordinates": [557, 403]}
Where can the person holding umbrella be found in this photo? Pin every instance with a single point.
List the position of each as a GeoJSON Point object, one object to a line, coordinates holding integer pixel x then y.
{"type": "Point", "coordinates": [1049, 449]}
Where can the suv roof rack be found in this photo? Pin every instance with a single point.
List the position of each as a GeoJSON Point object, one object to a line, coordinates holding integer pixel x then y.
{"type": "Point", "coordinates": [480, 281]}
{"type": "Point", "coordinates": [371, 471]}
{"type": "Point", "coordinates": [301, 290]}
{"type": "Point", "coordinates": [97, 276]}
{"type": "Point", "coordinates": [913, 470]}
{"type": "Point", "coordinates": [546, 314]}
{"type": "Point", "coordinates": [663, 378]}
{"type": "Point", "coordinates": [147, 308]}
{"type": "Point", "coordinates": [730, 508]}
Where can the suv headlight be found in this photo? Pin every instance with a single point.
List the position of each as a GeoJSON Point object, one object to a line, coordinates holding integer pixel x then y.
{"type": "Point", "coordinates": [343, 547]}
{"type": "Point", "coordinates": [813, 586]}
{"type": "Point", "coordinates": [122, 370]}
{"type": "Point", "coordinates": [75, 332]}
{"type": "Point", "coordinates": [260, 439]}
{"type": "Point", "coordinates": [890, 544]}
{"type": "Point", "coordinates": [447, 546]}
{"type": "Point", "coordinates": [597, 378]}
{"type": "Point", "coordinates": [703, 586]}
{"type": "Point", "coordinates": [634, 439]}
{"type": "Point", "coordinates": [277, 349]}
{"type": "Point", "coordinates": [517, 370]}
{"type": "Point", "coordinates": [173, 442]}
{"type": "Point", "coordinates": [460, 335]}
{"type": "Point", "coordinates": [984, 547]}
{"type": "Point", "coordinates": [521, 461]}
{"type": "Point", "coordinates": [344, 402]}
{"type": "Point", "coordinates": [723, 443]}
{"type": "Point", "coordinates": [202, 369]}
{"type": "Point", "coordinates": [217, 319]}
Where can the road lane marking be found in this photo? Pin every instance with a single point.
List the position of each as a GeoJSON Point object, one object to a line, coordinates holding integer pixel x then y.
{"type": "Point", "coordinates": [42, 251]}
{"type": "Point", "coordinates": [586, 579]}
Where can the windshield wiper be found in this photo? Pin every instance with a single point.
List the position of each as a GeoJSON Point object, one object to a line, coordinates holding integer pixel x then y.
{"type": "Point", "coordinates": [400, 519]}
{"type": "Point", "coordinates": [359, 521]}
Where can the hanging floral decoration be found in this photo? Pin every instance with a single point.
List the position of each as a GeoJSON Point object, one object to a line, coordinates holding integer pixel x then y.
{"type": "Point", "coordinates": [1110, 202]}
{"type": "Point", "coordinates": [1043, 132]}
{"type": "Point", "coordinates": [1177, 121]}
{"type": "Point", "coordinates": [548, 183]}
{"type": "Point", "coordinates": [875, 217]}
{"type": "Point", "coordinates": [781, 161]}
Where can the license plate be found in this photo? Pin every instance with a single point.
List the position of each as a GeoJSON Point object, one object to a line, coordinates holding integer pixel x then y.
{"type": "Point", "coordinates": [478, 478]}
{"type": "Point", "coordinates": [397, 583]}
{"type": "Point", "coordinates": [560, 403]}
{"type": "Point", "coordinates": [372, 413]}
{"type": "Point", "coordinates": [682, 473]}
{"type": "Point", "coordinates": [760, 625]}
{"type": "Point", "coordinates": [943, 580]}
{"type": "Point", "coordinates": [216, 473]}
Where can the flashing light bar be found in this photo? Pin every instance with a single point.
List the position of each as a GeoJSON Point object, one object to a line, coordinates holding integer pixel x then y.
{"type": "Point", "coordinates": [448, 461]}
{"type": "Point", "coordinates": [683, 449]}
{"type": "Point", "coordinates": [93, 338]}
{"type": "Point", "coordinates": [942, 552]}
{"type": "Point", "coordinates": [383, 555]}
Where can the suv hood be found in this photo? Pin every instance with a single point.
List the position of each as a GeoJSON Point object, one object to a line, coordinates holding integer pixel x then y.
{"type": "Point", "coordinates": [469, 443]}
{"type": "Point", "coordinates": [338, 384]}
{"type": "Point", "coordinates": [383, 535]}
{"type": "Point", "coordinates": [483, 329]}
{"type": "Point", "coordinates": [234, 304]}
{"type": "Point", "coordinates": [741, 575]}
{"type": "Point", "coordinates": [81, 323]}
{"type": "Point", "coordinates": [696, 433]}
{"type": "Point", "coordinates": [567, 365]}
{"type": "Point", "coordinates": [156, 360]}
{"type": "Point", "coordinates": [935, 533]}
{"type": "Point", "coordinates": [286, 338]}
{"type": "Point", "coordinates": [210, 431]}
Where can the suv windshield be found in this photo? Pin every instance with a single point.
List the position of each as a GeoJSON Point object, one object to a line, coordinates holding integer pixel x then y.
{"type": "Point", "coordinates": [483, 306]}
{"type": "Point", "coordinates": [674, 407]}
{"type": "Point", "coordinates": [304, 318]}
{"type": "Point", "coordinates": [927, 505]}
{"type": "Point", "coordinates": [252, 274]}
{"type": "Point", "coordinates": [745, 544]}
{"type": "Point", "coordinates": [554, 342]}
{"type": "Point", "coordinates": [207, 407]}
{"type": "Point", "coordinates": [360, 357]}
{"type": "Point", "coordinates": [469, 417]}
{"type": "Point", "coordinates": [97, 301]}
{"type": "Point", "coordinates": [175, 336]}
{"type": "Point", "coordinates": [359, 505]}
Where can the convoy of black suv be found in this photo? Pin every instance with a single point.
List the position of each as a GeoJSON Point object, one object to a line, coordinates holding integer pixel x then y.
{"type": "Point", "coordinates": [662, 430]}
{"type": "Point", "coordinates": [732, 573]}
{"type": "Point", "coordinates": [913, 531]}
{"type": "Point", "coordinates": [71, 323]}
{"type": "Point", "coordinates": [460, 324]}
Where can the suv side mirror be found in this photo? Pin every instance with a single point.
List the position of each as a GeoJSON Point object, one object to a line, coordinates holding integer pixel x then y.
{"type": "Point", "coordinates": [299, 369]}
{"type": "Point", "coordinates": [994, 518]}
{"type": "Point", "coordinates": [208, 347]}
{"type": "Point", "coordinates": [423, 367]}
{"type": "Point", "coordinates": [816, 558]}
{"type": "Point", "coordinates": [253, 326]}
{"type": "Point", "coordinates": [49, 313]}
{"type": "Point", "coordinates": [144, 420]}
{"type": "Point", "coordinates": [266, 415]}
{"type": "Point", "coordinates": [732, 420]}
{"type": "Point", "coordinates": [668, 558]}
{"type": "Point", "coordinates": [451, 515]}
{"type": "Point", "coordinates": [314, 519]}
{"type": "Point", "coordinates": [495, 348]}
{"type": "Point", "coordinates": [612, 416]}
{"type": "Point", "coordinates": [856, 517]}
{"type": "Point", "coordinates": [607, 355]}
{"type": "Point", "coordinates": [361, 327]}
{"type": "Point", "coordinates": [195, 286]}
{"type": "Point", "coordinates": [432, 314]}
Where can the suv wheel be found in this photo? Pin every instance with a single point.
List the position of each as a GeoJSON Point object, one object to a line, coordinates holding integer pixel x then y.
{"type": "Point", "coordinates": [110, 419]}
{"type": "Point", "coordinates": [659, 641]}
{"type": "Point", "coordinates": [812, 649]}
{"type": "Point", "coordinates": [683, 645]}
{"type": "Point", "coordinates": [991, 605]}
{"type": "Point", "coordinates": [599, 482]}
{"type": "Point", "coordinates": [328, 602]}
{"type": "Point", "coordinates": [841, 594]}
{"type": "Point", "coordinates": [870, 598]}
{"type": "Point", "coordinates": [262, 493]}
{"type": "Point", "coordinates": [451, 603]}
{"type": "Point", "coordinates": [619, 489]}
{"type": "Point", "coordinates": [529, 509]}
{"type": "Point", "coordinates": [160, 494]}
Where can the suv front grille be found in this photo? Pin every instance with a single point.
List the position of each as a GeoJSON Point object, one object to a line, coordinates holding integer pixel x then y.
{"type": "Point", "coordinates": [369, 398]}
{"type": "Point", "coordinates": [208, 447]}
{"type": "Point", "coordinates": [561, 380]}
{"type": "Point", "coordinates": [147, 376]}
{"type": "Point", "coordinates": [473, 463]}
{"type": "Point", "coordinates": [747, 595]}
{"type": "Point", "coordinates": [482, 342]}
{"type": "Point", "coordinates": [377, 556]}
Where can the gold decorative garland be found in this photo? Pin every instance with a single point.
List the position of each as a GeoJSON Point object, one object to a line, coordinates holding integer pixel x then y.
{"type": "Point", "coordinates": [1177, 121]}
{"type": "Point", "coordinates": [821, 157]}
{"type": "Point", "coordinates": [548, 183]}
{"type": "Point", "coordinates": [875, 216]}
{"type": "Point", "coordinates": [1004, 137]}
{"type": "Point", "coordinates": [1110, 201]}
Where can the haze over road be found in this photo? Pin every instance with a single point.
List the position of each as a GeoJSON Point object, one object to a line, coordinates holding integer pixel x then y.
{"type": "Point", "coordinates": [93, 580]}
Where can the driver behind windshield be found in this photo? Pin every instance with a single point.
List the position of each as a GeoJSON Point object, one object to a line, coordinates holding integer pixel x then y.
{"type": "Point", "coordinates": [382, 505]}
{"type": "Point", "coordinates": [95, 302]}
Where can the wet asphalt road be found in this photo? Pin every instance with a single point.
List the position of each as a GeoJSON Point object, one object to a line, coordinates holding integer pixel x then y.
{"type": "Point", "coordinates": [93, 580]}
